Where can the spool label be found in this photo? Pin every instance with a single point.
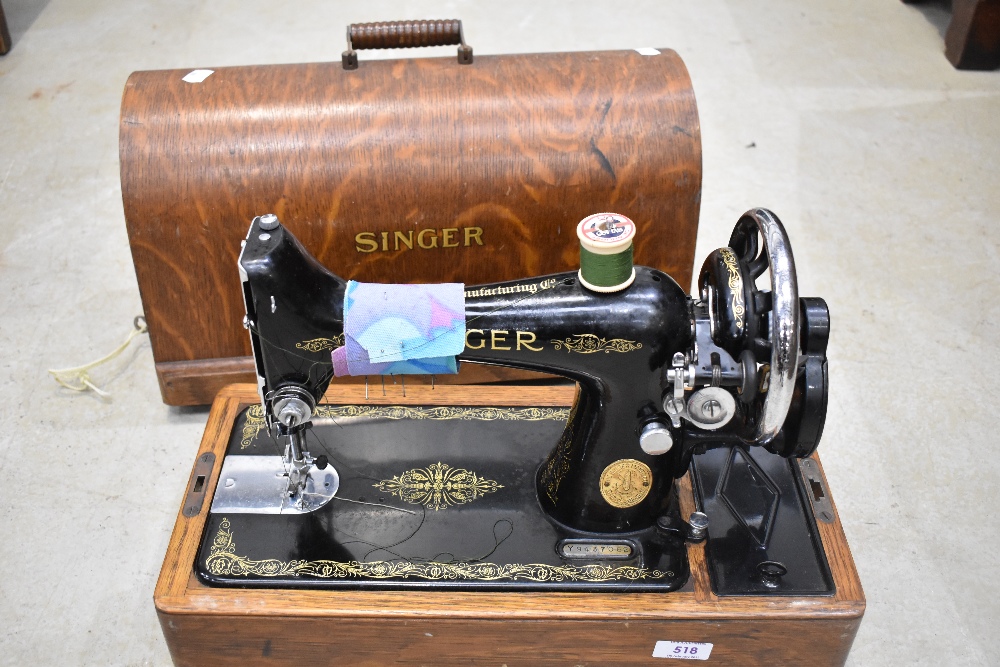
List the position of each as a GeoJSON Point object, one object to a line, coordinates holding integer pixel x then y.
{"type": "Point", "coordinates": [607, 228]}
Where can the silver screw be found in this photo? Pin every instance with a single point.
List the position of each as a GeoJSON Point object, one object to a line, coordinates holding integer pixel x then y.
{"type": "Point", "coordinates": [699, 525]}
{"type": "Point", "coordinates": [268, 221]}
{"type": "Point", "coordinates": [673, 406]}
{"type": "Point", "coordinates": [709, 407]}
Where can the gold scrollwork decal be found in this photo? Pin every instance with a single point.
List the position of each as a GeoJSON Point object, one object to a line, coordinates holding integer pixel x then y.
{"type": "Point", "coordinates": [252, 426]}
{"type": "Point", "coordinates": [735, 286]}
{"type": "Point", "coordinates": [558, 464]}
{"type": "Point", "coordinates": [590, 343]}
{"type": "Point", "coordinates": [223, 561]}
{"type": "Point", "coordinates": [438, 486]}
{"type": "Point", "coordinates": [320, 344]}
{"type": "Point", "coordinates": [442, 412]}
{"type": "Point", "coordinates": [255, 415]}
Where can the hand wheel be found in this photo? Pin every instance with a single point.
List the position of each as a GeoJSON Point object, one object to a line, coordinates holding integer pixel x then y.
{"type": "Point", "coordinates": [773, 325]}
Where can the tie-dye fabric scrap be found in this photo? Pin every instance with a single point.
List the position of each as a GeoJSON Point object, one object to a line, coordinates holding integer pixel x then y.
{"type": "Point", "coordinates": [401, 329]}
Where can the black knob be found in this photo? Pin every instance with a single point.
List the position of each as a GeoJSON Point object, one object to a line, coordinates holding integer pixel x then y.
{"type": "Point", "coordinates": [770, 572]}
{"type": "Point", "coordinates": [815, 325]}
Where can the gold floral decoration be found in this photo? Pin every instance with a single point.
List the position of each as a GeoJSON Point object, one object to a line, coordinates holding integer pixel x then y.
{"type": "Point", "coordinates": [591, 343]}
{"type": "Point", "coordinates": [253, 425]}
{"type": "Point", "coordinates": [558, 464]}
{"type": "Point", "coordinates": [442, 412]}
{"type": "Point", "coordinates": [320, 344]}
{"type": "Point", "coordinates": [438, 486]}
{"type": "Point", "coordinates": [735, 285]}
{"type": "Point", "coordinates": [223, 561]}
{"type": "Point", "coordinates": [255, 415]}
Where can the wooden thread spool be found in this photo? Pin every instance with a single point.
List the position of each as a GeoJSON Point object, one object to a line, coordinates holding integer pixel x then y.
{"type": "Point", "coordinates": [606, 252]}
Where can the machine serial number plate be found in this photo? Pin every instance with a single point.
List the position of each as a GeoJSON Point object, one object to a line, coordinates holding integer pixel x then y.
{"type": "Point", "coordinates": [587, 549]}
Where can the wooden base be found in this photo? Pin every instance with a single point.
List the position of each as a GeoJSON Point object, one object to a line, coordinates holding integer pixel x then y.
{"type": "Point", "coordinates": [197, 382]}
{"type": "Point", "coordinates": [225, 626]}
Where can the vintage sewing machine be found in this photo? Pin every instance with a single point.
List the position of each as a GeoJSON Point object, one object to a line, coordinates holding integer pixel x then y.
{"type": "Point", "coordinates": [664, 501]}
{"type": "Point", "coordinates": [536, 498]}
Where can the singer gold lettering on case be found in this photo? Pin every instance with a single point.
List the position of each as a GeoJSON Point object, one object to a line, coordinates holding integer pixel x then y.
{"type": "Point", "coordinates": [424, 239]}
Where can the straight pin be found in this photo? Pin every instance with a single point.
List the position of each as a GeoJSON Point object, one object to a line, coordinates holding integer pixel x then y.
{"type": "Point", "coordinates": [383, 385]}
{"type": "Point", "coordinates": [366, 387]}
{"type": "Point", "coordinates": [403, 379]}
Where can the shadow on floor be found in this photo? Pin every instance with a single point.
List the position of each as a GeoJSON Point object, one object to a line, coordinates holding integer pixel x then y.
{"type": "Point", "coordinates": [21, 14]}
{"type": "Point", "coordinates": [937, 12]}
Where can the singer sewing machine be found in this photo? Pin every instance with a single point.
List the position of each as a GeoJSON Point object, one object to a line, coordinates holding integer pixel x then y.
{"type": "Point", "coordinates": [535, 498]}
{"type": "Point", "coordinates": [666, 502]}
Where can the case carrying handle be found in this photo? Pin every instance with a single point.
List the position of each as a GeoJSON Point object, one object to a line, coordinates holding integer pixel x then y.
{"type": "Point", "coordinates": [404, 34]}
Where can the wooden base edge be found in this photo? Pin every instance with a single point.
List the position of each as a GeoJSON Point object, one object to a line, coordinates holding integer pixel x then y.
{"type": "Point", "coordinates": [199, 381]}
{"type": "Point", "coordinates": [367, 642]}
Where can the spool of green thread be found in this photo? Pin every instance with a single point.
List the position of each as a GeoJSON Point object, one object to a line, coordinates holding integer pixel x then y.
{"type": "Point", "coordinates": [606, 252]}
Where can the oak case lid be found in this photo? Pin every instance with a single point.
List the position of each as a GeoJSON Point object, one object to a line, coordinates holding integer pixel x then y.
{"type": "Point", "coordinates": [483, 170]}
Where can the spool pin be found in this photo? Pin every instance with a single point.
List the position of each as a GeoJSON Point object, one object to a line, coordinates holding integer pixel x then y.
{"type": "Point", "coordinates": [606, 252]}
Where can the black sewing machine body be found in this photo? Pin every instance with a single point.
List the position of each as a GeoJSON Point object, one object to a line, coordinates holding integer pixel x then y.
{"type": "Point", "coordinates": [584, 500]}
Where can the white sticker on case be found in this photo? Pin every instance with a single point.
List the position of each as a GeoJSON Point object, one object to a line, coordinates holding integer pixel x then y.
{"type": "Point", "coordinates": [682, 650]}
{"type": "Point", "coordinates": [647, 51]}
{"type": "Point", "coordinates": [198, 75]}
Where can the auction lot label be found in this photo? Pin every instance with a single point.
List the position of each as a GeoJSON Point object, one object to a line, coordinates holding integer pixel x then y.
{"type": "Point", "coordinates": [682, 650]}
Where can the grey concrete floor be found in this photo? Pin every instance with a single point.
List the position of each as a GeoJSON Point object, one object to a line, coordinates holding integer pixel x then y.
{"type": "Point", "coordinates": [841, 115]}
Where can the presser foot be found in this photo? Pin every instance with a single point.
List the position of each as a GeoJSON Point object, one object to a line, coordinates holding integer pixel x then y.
{"type": "Point", "coordinates": [312, 483]}
{"type": "Point", "coordinates": [253, 484]}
